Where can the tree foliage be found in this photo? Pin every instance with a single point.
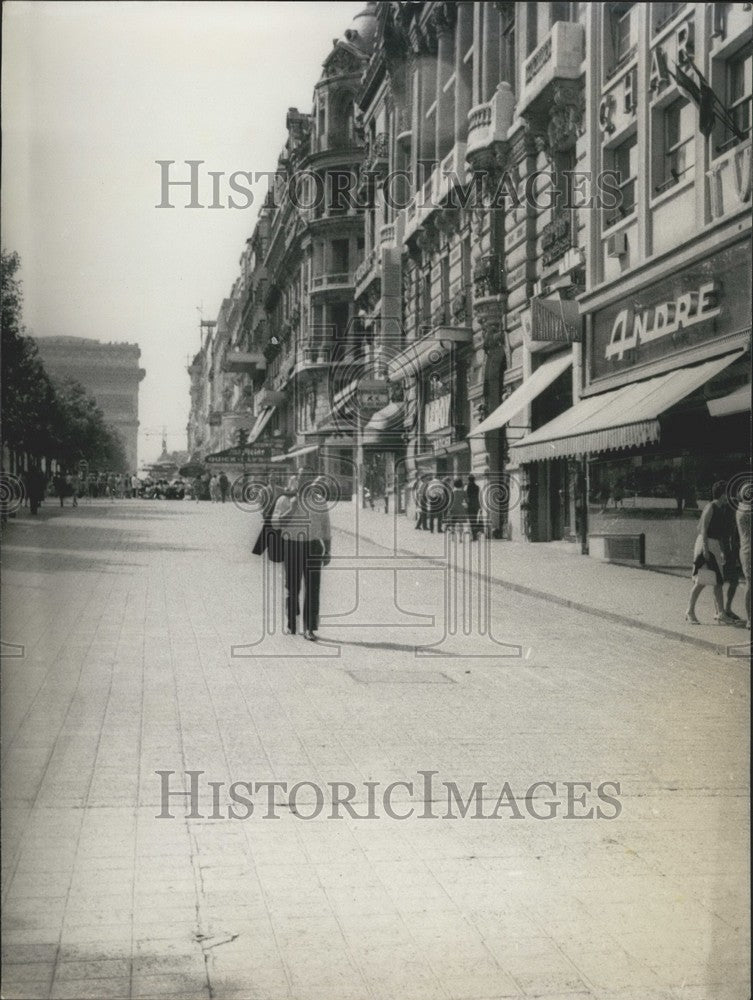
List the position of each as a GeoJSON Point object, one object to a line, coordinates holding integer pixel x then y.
{"type": "Point", "coordinates": [40, 416]}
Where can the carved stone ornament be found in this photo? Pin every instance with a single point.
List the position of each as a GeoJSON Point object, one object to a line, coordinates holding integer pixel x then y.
{"type": "Point", "coordinates": [488, 313]}
{"type": "Point", "coordinates": [556, 126]}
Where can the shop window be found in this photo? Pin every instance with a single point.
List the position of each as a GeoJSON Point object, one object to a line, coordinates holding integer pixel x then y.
{"type": "Point", "coordinates": [678, 125]}
{"type": "Point", "coordinates": [623, 160]}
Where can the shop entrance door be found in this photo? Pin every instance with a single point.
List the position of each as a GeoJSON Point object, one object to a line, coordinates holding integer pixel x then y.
{"type": "Point", "coordinates": [559, 500]}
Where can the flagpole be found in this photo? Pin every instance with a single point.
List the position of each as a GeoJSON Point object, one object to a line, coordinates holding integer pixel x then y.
{"type": "Point", "coordinates": [725, 118]}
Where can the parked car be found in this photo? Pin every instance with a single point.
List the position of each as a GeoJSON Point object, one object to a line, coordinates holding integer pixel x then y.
{"type": "Point", "coordinates": [176, 490]}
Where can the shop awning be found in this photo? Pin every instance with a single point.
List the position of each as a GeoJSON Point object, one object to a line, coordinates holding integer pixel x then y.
{"type": "Point", "coordinates": [385, 425]}
{"type": "Point", "coordinates": [344, 395]}
{"type": "Point", "coordinates": [524, 395]}
{"type": "Point", "coordinates": [420, 353]}
{"type": "Point", "coordinates": [262, 420]}
{"type": "Point", "coordinates": [627, 417]}
{"type": "Point", "coordinates": [736, 402]}
{"type": "Point", "coordinates": [295, 454]}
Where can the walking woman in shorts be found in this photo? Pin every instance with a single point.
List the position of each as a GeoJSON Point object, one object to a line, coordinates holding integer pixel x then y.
{"type": "Point", "coordinates": [708, 557]}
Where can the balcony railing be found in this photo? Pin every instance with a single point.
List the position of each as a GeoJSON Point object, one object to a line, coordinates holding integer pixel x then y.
{"type": "Point", "coordinates": [364, 269]}
{"type": "Point", "coordinates": [338, 280]}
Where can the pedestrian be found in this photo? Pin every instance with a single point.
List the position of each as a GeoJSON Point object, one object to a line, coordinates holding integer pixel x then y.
{"type": "Point", "coordinates": [112, 486]}
{"type": "Point", "coordinates": [71, 488]}
{"type": "Point", "coordinates": [197, 488]}
{"type": "Point", "coordinates": [619, 492]}
{"type": "Point", "coordinates": [419, 493]}
{"type": "Point", "coordinates": [36, 485]}
{"type": "Point", "coordinates": [473, 504]}
{"type": "Point", "coordinates": [457, 513]}
{"type": "Point", "coordinates": [708, 556]}
{"type": "Point", "coordinates": [58, 485]}
{"type": "Point", "coordinates": [742, 521]}
{"type": "Point", "coordinates": [214, 488]}
{"type": "Point", "coordinates": [605, 493]}
{"type": "Point", "coordinates": [135, 486]}
{"type": "Point", "coordinates": [224, 484]}
{"type": "Point", "coordinates": [437, 496]}
{"type": "Point", "coordinates": [304, 523]}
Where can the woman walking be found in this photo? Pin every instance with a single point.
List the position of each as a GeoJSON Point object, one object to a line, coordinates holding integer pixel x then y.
{"type": "Point", "coordinates": [708, 557]}
{"type": "Point", "coordinates": [214, 488]}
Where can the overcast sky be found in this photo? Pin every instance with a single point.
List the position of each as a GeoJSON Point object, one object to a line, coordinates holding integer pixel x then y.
{"type": "Point", "coordinates": [93, 94]}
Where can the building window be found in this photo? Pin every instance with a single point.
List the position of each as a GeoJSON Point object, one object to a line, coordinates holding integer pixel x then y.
{"type": "Point", "coordinates": [621, 36]}
{"type": "Point", "coordinates": [339, 257]}
{"type": "Point", "coordinates": [662, 13]}
{"type": "Point", "coordinates": [739, 93]}
{"type": "Point", "coordinates": [679, 127]}
{"type": "Point", "coordinates": [623, 160]}
{"type": "Point", "coordinates": [532, 27]}
{"type": "Point", "coordinates": [508, 44]}
{"type": "Point", "coordinates": [561, 12]}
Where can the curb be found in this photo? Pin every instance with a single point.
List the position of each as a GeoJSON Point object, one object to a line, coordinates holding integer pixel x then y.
{"type": "Point", "coordinates": [719, 648]}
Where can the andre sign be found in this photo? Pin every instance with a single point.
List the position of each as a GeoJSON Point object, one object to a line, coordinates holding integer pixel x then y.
{"type": "Point", "coordinates": [692, 306]}
{"type": "Point", "coordinates": [634, 327]}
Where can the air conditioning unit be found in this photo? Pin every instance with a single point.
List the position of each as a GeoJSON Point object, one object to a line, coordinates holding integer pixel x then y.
{"type": "Point", "coordinates": [617, 245]}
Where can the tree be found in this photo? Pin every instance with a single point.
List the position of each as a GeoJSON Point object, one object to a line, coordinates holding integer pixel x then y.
{"type": "Point", "coordinates": [27, 394]}
{"type": "Point", "coordinates": [42, 417]}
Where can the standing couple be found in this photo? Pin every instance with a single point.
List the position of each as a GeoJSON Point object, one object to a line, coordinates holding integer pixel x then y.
{"type": "Point", "coordinates": [297, 532]}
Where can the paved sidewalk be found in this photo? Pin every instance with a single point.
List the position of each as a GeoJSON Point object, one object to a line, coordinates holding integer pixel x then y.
{"type": "Point", "coordinates": [125, 616]}
{"type": "Point", "coordinates": [654, 602]}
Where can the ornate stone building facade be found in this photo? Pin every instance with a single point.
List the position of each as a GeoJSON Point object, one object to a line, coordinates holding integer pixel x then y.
{"type": "Point", "coordinates": [110, 372]}
{"type": "Point", "coordinates": [538, 222]}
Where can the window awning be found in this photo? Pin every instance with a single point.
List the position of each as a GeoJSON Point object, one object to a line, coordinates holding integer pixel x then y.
{"type": "Point", "coordinates": [534, 385]}
{"type": "Point", "coordinates": [420, 353]}
{"type": "Point", "coordinates": [385, 425]}
{"type": "Point", "coordinates": [344, 395]}
{"type": "Point", "coordinates": [261, 422]}
{"type": "Point", "coordinates": [736, 402]}
{"type": "Point", "coordinates": [627, 417]}
{"type": "Point", "coordinates": [296, 453]}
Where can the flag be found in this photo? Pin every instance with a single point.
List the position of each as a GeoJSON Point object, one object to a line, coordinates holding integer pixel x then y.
{"type": "Point", "coordinates": [700, 94]}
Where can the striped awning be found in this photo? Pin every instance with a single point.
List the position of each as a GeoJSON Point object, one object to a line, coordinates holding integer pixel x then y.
{"type": "Point", "coordinates": [296, 453]}
{"type": "Point", "coordinates": [627, 417]}
{"type": "Point", "coordinates": [262, 420]}
{"type": "Point", "coordinates": [524, 395]}
{"type": "Point", "coordinates": [735, 402]}
{"type": "Point", "coordinates": [386, 425]}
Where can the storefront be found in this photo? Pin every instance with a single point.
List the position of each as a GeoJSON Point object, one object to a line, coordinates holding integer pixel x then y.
{"type": "Point", "coordinates": [435, 372]}
{"type": "Point", "coordinates": [664, 409]}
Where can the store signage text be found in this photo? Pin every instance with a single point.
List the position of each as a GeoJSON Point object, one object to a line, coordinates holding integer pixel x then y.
{"type": "Point", "coordinates": [633, 327]}
{"type": "Point", "coordinates": [689, 307]}
{"type": "Point", "coordinates": [730, 181]}
{"type": "Point", "coordinates": [437, 413]}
